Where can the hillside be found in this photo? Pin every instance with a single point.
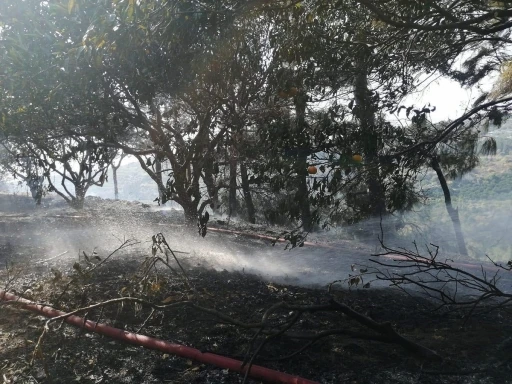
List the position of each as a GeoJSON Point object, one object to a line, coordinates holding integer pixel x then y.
{"type": "Point", "coordinates": [484, 200]}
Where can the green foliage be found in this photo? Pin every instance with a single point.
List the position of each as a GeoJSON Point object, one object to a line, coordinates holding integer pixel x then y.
{"type": "Point", "coordinates": [276, 86]}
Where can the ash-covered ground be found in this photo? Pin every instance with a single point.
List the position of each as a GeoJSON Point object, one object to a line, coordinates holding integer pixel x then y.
{"type": "Point", "coordinates": [102, 225]}
{"type": "Point", "coordinates": [231, 273]}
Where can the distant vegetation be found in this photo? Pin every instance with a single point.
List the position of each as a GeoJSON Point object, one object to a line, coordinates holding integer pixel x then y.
{"type": "Point", "coordinates": [484, 200]}
{"type": "Point", "coordinates": [486, 224]}
{"type": "Point", "coordinates": [492, 179]}
{"type": "Point", "coordinates": [134, 184]}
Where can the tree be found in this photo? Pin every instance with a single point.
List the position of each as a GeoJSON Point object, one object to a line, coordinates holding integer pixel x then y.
{"type": "Point", "coordinates": [81, 163]}
{"type": "Point", "coordinates": [480, 18]}
{"type": "Point", "coordinates": [24, 167]}
{"type": "Point", "coordinates": [52, 103]}
{"type": "Point", "coordinates": [195, 82]}
{"type": "Point", "coordinates": [114, 168]}
{"type": "Point", "coordinates": [452, 212]}
{"type": "Point", "coordinates": [101, 99]}
{"type": "Point", "coordinates": [144, 77]}
{"type": "Point", "coordinates": [356, 76]}
{"type": "Point", "coordinates": [476, 33]}
{"type": "Point", "coordinates": [179, 116]}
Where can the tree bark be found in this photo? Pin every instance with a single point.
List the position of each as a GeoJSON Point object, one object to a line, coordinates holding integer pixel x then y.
{"type": "Point", "coordinates": [364, 111]}
{"type": "Point", "coordinates": [251, 214]}
{"type": "Point", "coordinates": [191, 214]}
{"type": "Point", "coordinates": [158, 171]}
{"type": "Point", "coordinates": [114, 175]}
{"type": "Point", "coordinates": [209, 181]}
{"type": "Point", "coordinates": [35, 184]}
{"type": "Point", "coordinates": [233, 165]}
{"type": "Point", "coordinates": [452, 212]}
{"type": "Point", "coordinates": [116, 185]}
{"type": "Point", "coordinates": [303, 193]}
{"type": "Point", "coordinates": [78, 200]}
{"type": "Point", "coordinates": [301, 164]}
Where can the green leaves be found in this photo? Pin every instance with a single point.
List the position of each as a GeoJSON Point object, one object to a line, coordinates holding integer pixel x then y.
{"type": "Point", "coordinates": [245, 71]}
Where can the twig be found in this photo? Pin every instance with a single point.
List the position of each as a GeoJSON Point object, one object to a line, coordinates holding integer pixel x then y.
{"type": "Point", "coordinates": [125, 244]}
{"type": "Point", "coordinates": [145, 321]}
{"type": "Point", "coordinates": [421, 271]}
{"type": "Point", "coordinates": [51, 258]}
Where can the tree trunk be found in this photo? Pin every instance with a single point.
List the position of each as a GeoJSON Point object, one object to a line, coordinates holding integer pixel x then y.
{"type": "Point", "coordinates": [209, 181]}
{"type": "Point", "coordinates": [301, 164]}
{"type": "Point", "coordinates": [114, 175]}
{"type": "Point", "coordinates": [247, 194]}
{"type": "Point", "coordinates": [452, 212]}
{"type": "Point", "coordinates": [116, 187]}
{"type": "Point", "coordinates": [303, 193]}
{"type": "Point", "coordinates": [233, 164]}
{"type": "Point", "coordinates": [35, 184]}
{"type": "Point", "coordinates": [365, 113]}
{"type": "Point", "coordinates": [158, 171]}
{"type": "Point", "coordinates": [78, 201]}
{"type": "Point", "coordinates": [191, 214]}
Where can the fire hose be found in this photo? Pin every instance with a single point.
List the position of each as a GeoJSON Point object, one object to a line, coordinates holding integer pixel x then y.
{"type": "Point", "coordinates": [256, 372]}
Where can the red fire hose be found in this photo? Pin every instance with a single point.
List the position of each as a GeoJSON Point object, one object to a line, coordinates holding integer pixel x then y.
{"type": "Point", "coordinates": [257, 372]}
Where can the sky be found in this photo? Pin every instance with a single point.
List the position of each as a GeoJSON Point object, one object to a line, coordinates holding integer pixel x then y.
{"type": "Point", "coordinates": [449, 98]}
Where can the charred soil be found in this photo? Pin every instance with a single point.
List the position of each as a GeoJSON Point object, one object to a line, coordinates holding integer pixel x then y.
{"type": "Point", "coordinates": [478, 350]}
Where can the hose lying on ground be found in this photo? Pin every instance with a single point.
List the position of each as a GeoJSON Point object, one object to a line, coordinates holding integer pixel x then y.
{"type": "Point", "coordinates": [256, 372]}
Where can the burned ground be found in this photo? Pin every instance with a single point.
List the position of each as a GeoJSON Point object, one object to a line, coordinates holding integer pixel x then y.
{"type": "Point", "coordinates": [40, 252]}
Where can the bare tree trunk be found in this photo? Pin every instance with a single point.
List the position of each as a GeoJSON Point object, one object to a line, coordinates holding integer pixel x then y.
{"type": "Point", "coordinates": [452, 212]}
{"type": "Point", "coordinates": [303, 193]}
{"type": "Point", "coordinates": [209, 180]}
{"type": "Point", "coordinates": [114, 175]}
{"type": "Point", "coordinates": [158, 171]}
{"type": "Point", "coordinates": [116, 185]}
{"type": "Point", "coordinates": [35, 184]}
{"type": "Point", "coordinates": [301, 164]}
{"type": "Point", "coordinates": [233, 165]}
{"type": "Point", "coordinates": [365, 113]}
{"type": "Point", "coordinates": [191, 214]}
{"type": "Point", "coordinates": [78, 201]}
{"type": "Point", "coordinates": [247, 194]}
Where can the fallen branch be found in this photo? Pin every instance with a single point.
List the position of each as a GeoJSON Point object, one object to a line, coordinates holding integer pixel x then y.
{"type": "Point", "coordinates": [441, 281]}
{"type": "Point", "coordinates": [387, 331]}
